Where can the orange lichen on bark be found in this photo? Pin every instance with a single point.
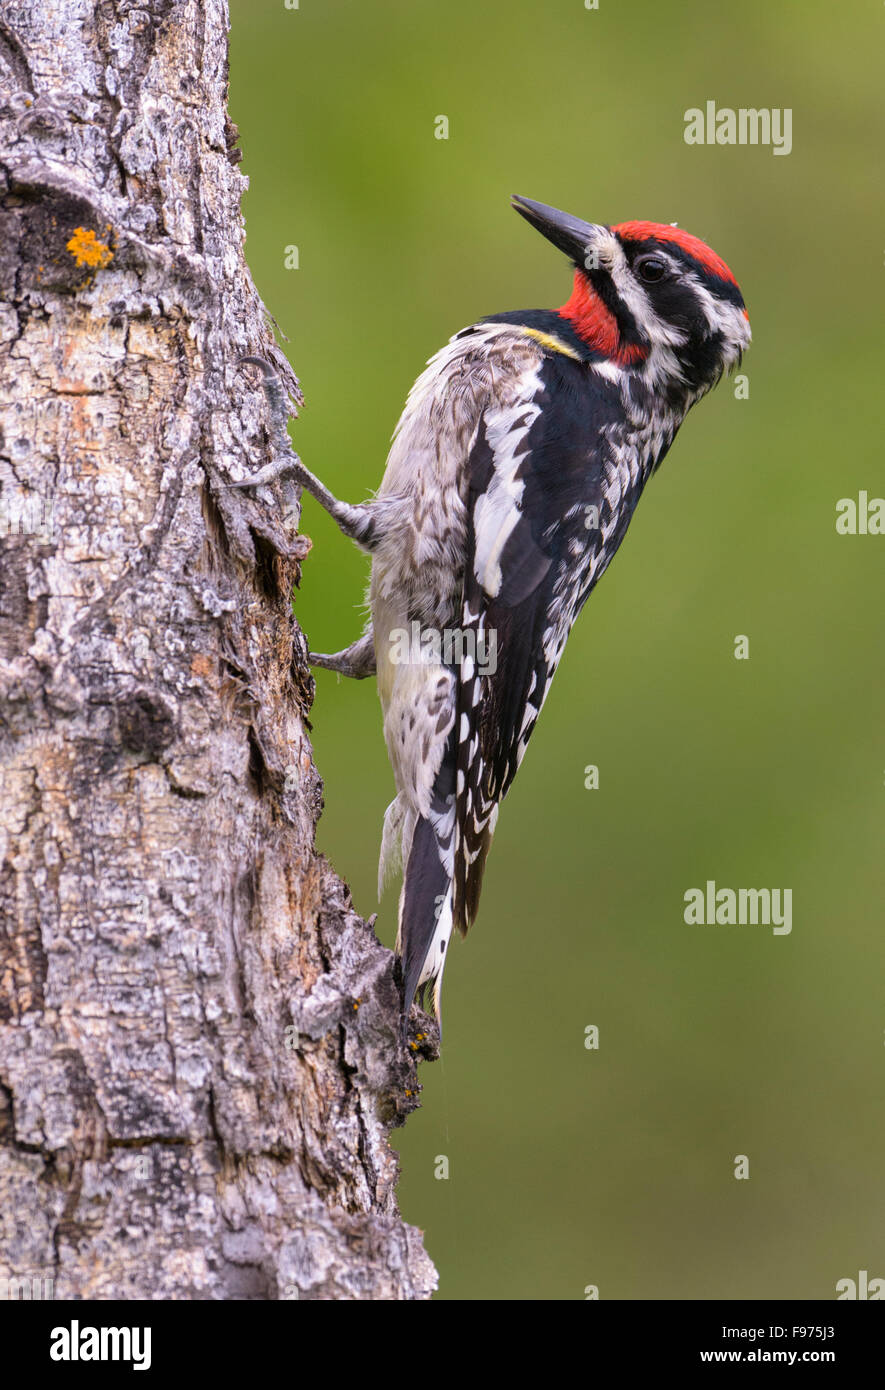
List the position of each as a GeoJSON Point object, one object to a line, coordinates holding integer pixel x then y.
{"type": "Point", "coordinates": [86, 249]}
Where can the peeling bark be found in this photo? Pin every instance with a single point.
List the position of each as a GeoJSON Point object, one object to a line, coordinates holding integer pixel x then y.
{"type": "Point", "coordinates": [199, 1054]}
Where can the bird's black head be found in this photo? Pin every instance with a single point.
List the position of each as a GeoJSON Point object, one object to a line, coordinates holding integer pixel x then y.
{"type": "Point", "coordinates": [649, 297]}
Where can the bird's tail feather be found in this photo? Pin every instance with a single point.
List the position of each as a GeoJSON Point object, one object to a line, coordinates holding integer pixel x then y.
{"type": "Point", "coordinates": [425, 916]}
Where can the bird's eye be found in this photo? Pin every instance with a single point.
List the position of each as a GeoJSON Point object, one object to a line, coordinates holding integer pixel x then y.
{"type": "Point", "coordinates": [651, 268]}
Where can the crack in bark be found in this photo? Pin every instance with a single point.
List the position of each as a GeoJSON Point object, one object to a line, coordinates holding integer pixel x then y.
{"type": "Point", "coordinates": [13, 55]}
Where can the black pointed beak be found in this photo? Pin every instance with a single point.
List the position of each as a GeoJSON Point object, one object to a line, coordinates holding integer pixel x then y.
{"type": "Point", "coordinates": [576, 238]}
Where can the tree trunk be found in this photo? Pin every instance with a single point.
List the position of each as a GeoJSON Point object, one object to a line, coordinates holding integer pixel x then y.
{"type": "Point", "coordinates": [199, 1053]}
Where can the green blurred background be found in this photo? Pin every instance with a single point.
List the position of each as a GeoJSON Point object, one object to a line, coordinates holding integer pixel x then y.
{"type": "Point", "coordinates": [615, 1167]}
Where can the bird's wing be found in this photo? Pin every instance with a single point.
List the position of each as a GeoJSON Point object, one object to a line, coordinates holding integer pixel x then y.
{"type": "Point", "coordinates": [548, 504]}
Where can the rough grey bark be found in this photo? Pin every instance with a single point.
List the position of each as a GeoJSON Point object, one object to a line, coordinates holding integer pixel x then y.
{"type": "Point", "coordinates": [199, 1059]}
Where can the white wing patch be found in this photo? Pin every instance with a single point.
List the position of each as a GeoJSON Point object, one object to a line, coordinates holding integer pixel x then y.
{"type": "Point", "coordinates": [499, 509]}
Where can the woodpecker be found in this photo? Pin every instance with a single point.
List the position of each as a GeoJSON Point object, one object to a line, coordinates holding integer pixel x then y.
{"type": "Point", "coordinates": [515, 468]}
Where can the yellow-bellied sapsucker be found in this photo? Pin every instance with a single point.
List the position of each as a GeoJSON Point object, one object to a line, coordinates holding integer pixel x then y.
{"type": "Point", "coordinates": [513, 474]}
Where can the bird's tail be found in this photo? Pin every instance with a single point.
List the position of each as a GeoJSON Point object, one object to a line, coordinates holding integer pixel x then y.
{"type": "Point", "coordinates": [425, 915]}
{"type": "Point", "coordinates": [425, 904]}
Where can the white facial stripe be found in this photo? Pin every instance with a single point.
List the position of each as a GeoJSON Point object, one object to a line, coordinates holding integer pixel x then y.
{"type": "Point", "coordinates": [657, 330]}
{"type": "Point", "coordinates": [721, 315]}
{"type": "Point", "coordinates": [704, 297]}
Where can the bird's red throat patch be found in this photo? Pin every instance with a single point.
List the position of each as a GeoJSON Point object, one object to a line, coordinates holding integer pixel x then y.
{"type": "Point", "coordinates": [596, 325]}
